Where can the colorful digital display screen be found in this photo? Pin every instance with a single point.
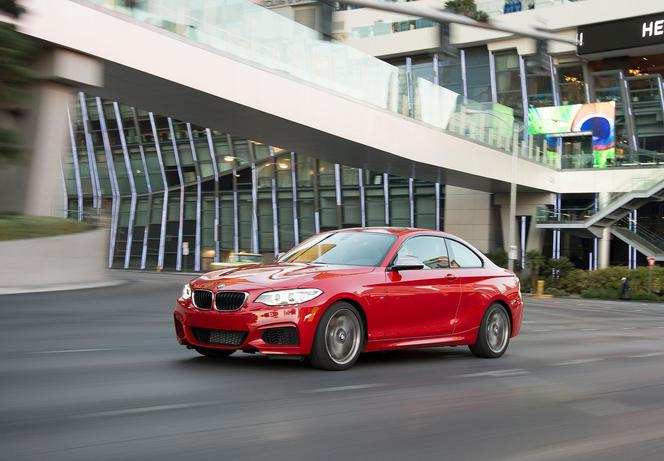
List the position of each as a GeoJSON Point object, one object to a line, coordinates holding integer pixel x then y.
{"type": "Point", "coordinates": [596, 120]}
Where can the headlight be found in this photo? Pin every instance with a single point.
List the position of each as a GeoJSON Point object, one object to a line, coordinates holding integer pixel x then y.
{"type": "Point", "coordinates": [186, 292]}
{"type": "Point", "coordinates": [288, 297]}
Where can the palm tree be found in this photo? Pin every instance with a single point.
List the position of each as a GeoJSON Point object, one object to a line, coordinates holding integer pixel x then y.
{"type": "Point", "coordinates": [535, 261]}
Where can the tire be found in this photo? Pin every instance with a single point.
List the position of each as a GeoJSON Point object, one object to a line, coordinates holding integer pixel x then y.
{"type": "Point", "coordinates": [494, 334]}
{"type": "Point", "coordinates": [214, 353]}
{"type": "Point", "coordinates": [339, 338]}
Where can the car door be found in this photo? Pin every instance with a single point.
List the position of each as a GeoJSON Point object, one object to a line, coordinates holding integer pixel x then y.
{"type": "Point", "coordinates": [471, 275]}
{"type": "Point", "coordinates": [422, 302]}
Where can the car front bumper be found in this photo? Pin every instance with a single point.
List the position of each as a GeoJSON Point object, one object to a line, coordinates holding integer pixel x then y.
{"type": "Point", "coordinates": [253, 328]}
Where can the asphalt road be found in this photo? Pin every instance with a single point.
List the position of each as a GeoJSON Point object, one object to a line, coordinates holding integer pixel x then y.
{"type": "Point", "coordinates": [97, 375]}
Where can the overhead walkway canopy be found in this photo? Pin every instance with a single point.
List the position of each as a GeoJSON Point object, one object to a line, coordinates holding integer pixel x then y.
{"type": "Point", "coordinates": [235, 66]}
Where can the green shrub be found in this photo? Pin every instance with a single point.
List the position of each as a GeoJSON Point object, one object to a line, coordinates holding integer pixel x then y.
{"type": "Point", "coordinates": [607, 283]}
{"type": "Point", "coordinates": [645, 296]}
{"type": "Point", "coordinates": [14, 227]}
{"type": "Point", "coordinates": [498, 257]}
{"type": "Point", "coordinates": [562, 266]}
{"type": "Point", "coordinates": [556, 292]}
{"type": "Point", "coordinates": [600, 293]}
{"type": "Point", "coordinates": [575, 281]}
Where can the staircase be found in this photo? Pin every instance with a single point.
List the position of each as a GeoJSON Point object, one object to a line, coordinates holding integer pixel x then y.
{"type": "Point", "coordinates": [639, 192]}
{"type": "Point", "coordinates": [645, 240]}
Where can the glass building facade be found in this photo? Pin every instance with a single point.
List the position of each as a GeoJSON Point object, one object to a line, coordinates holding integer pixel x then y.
{"type": "Point", "coordinates": [177, 196]}
{"type": "Point", "coordinates": [635, 84]}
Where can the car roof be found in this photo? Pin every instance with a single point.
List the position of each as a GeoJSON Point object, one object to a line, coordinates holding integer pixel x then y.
{"type": "Point", "coordinates": [398, 231]}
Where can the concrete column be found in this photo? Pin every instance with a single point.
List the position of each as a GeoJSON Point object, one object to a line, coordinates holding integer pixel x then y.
{"type": "Point", "coordinates": [44, 133]}
{"type": "Point", "coordinates": [604, 248]}
{"type": "Point", "coordinates": [44, 182]}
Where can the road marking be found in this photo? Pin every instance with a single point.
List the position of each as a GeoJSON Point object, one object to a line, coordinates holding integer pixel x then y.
{"type": "Point", "coordinates": [71, 351]}
{"type": "Point", "coordinates": [497, 373]}
{"type": "Point", "coordinates": [589, 329]}
{"type": "Point", "coordinates": [643, 356]}
{"type": "Point", "coordinates": [343, 388]}
{"type": "Point", "coordinates": [661, 328]}
{"type": "Point", "coordinates": [597, 445]}
{"type": "Point", "coordinates": [542, 330]}
{"type": "Point", "coordinates": [629, 328]}
{"type": "Point", "coordinates": [138, 410]}
{"type": "Point", "coordinates": [576, 362]}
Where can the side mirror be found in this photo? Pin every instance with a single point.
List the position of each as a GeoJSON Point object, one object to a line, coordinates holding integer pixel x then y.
{"type": "Point", "coordinates": [406, 262]}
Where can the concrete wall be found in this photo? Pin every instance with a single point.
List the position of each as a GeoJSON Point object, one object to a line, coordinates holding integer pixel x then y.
{"type": "Point", "coordinates": [469, 214]}
{"type": "Point", "coordinates": [50, 262]}
{"type": "Point", "coordinates": [408, 42]}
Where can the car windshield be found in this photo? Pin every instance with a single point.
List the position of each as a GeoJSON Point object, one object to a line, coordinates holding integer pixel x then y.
{"type": "Point", "coordinates": [349, 248]}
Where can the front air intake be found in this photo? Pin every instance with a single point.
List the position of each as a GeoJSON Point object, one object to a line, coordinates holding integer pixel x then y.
{"type": "Point", "coordinates": [219, 337]}
{"type": "Point", "coordinates": [281, 336]}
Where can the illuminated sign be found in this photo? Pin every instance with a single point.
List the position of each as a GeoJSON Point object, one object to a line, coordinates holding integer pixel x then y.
{"type": "Point", "coordinates": [596, 119]}
{"type": "Point", "coordinates": [621, 34]}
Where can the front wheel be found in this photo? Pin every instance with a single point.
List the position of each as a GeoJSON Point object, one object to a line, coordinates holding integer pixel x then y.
{"type": "Point", "coordinates": [494, 334]}
{"type": "Point", "coordinates": [339, 338]}
{"type": "Point", "coordinates": [214, 353]}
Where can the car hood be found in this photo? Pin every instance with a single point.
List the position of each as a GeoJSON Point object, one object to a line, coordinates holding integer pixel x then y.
{"type": "Point", "coordinates": [274, 276]}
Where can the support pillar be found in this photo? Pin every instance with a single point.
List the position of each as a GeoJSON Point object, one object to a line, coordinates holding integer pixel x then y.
{"type": "Point", "coordinates": [45, 132]}
{"type": "Point", "coordinates": [49, 133]}
{"type": "Point", "coordinates": [604, 248]}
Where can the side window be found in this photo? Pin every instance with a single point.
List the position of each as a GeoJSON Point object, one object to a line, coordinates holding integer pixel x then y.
{"type": "Point", "coordinates": [428, 249]}
{"type": "Point", "coordinates": [463, 256]}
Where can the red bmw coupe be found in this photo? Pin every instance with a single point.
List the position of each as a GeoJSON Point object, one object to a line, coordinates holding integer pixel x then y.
{"type": "Point", "coordinates": [349, 291]}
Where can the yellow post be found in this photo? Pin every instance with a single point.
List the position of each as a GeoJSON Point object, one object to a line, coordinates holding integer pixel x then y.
{"type": "Point", "coordinates": [539, 292]}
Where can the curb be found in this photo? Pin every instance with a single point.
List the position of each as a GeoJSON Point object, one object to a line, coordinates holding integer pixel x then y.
{"type": "Point", "coordinates": [62, 287]}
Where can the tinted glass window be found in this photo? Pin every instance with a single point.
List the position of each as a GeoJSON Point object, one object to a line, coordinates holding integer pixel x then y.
{"type": "Point", "coordinates": [431, 251]}
{"type": "Point", "coordinates": [463, 256]}
{"type": "Point", "coordinates": [344, 248]}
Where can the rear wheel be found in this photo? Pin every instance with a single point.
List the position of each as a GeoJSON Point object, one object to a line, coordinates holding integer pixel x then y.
{"type": "Point", "coordinates": [214, 353]}
{"type": "Point", "coordinates": [494, 334]}
{"type": "Point", "coordinates": [339, 338]}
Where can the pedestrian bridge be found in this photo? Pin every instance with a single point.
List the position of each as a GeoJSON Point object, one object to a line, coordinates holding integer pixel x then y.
{"type": "Point", "coordinates": [243, 69]}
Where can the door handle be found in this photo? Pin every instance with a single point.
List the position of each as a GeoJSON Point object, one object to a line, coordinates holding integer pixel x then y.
{"type": "Point", "coordinates": [451, 277]}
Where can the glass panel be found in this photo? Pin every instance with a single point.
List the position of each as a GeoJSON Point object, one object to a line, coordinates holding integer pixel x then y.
{"type": "Point", "coordinates": [349, 248]}
{"type": "Point", "coordinates": [571, 83]}
{"type": "Point", "coordinates": [430, 251]}
{"type": "Point", "coordinates": [464, 257]}
{"type": "Point", "coordinates": [508, 80]}
{"type": "Point", "coordinates": [478, 78]}
{"type": "Point", "coordinates": [538, 80]}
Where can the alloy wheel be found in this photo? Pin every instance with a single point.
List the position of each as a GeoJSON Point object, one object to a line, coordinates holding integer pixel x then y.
{"type": "Point", "coordinates": [343, 336]}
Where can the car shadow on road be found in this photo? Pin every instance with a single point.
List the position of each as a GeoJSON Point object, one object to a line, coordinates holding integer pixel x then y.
{"type": "Point", "coordinates": [242, 361]}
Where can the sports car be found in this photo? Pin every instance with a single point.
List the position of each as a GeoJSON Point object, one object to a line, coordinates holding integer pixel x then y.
{"type": "Point", "coordinates": [344, 292]}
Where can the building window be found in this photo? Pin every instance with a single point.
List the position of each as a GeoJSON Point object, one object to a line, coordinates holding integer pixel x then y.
{"type": "Point", "coordinates": [449, 73]}
{"type": "Point", "coordinates": [478, 78]}
{"type": "Point", "coordinates": [508, 80]}
{"type": "Point", "coordinates": [571, 84]}
{"type": "Point", "coordinates": [538, 81]}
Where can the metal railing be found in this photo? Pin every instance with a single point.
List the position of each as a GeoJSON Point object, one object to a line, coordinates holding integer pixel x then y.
{"type": "Point", "coordinates": [638, 187]}
{"type": "Point", "coordinates": [644, 233]}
